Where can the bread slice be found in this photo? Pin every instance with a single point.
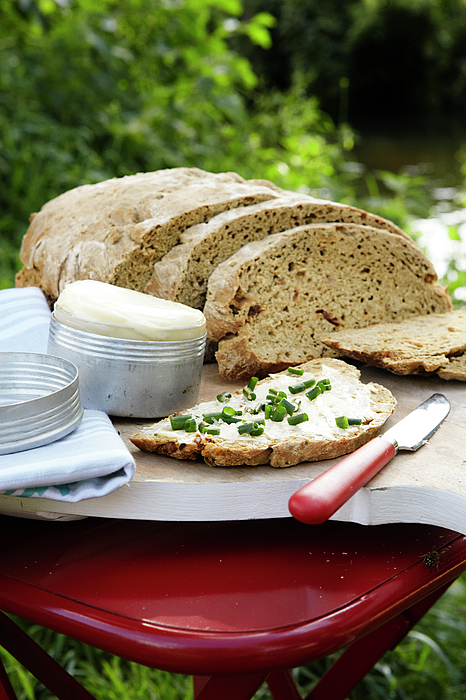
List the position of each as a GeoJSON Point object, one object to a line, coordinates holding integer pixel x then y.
{"type": "Point", "coordinates": [434, 344]}
{"type": "Point", "coordinates": [270, 302]}
{"type": "Point", "coordinates": [183, 273]}
{"type": "Point", "coordinates": [281, 444]}
{"type": "Point", "coordinates": [115, 231]}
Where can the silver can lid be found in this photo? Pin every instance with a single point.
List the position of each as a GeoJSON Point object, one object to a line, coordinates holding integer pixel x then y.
{"type": "Point", "coordinates": [39, 400]}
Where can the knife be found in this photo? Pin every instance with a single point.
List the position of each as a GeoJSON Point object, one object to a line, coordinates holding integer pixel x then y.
{"type": "Point", "coordinates": [317, 501]}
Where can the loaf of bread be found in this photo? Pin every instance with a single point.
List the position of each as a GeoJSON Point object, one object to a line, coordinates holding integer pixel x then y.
{"type": "Point", "coordinates": [433, 344]}
{"type": "Point", "coordinates": [243, 428]}
{"type": "Point", "coordinates": [269, 304]}
{"type": "Point", "coordinates": [115, 231]}
{"type": "Point", "coordinates": [183, 273]}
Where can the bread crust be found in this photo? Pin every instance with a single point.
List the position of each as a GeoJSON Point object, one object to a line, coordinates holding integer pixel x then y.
{"type": "Point", "coordinates": [114, 231]}
{"type": "Point", "coordinates": [269, 303]}
{"type": "Point", "coordinates": [433, 344]}
{"type": "Point", "coordinates": [220, 452]}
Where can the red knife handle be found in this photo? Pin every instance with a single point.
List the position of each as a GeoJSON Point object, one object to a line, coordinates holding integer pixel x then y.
{"type": "Point", "coordinates": [317, 501]}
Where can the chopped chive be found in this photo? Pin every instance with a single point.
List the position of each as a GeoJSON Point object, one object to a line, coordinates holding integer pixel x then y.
{"type": "Point", "coordinates": [224, 397]}
{"type": "Point", "coordinates": [273, 391]}
{"type": "Point", "coordinates": [202, 427]}
{"type": "Point", "coordinates": [247, 428]}
{"type": "Point", "coordinates": [354, 421]}
{"type": "Point", "coordinates": [278, 414]}
{"type": "Point", "coordinates": [314, 392]}
{"type": "Point", "coordinates": [249, 394]}
{"type": "Point", "coordinates": [231, 419]}
{"type": "Point", "coordinates": [190, 425]}
{"type": "Point", "coordinates": [273, 398]}
{"type": "Point", "coordinates": [212, 431]}
{"type": "Point", "coordinates": [252, 383]}
{"type": "Point", "coordinates": [324, 384]}
{"type": "Point", "coordinates": [228, 411]}
{"type": "Point", "coordinates": [297, 388]}
{"type": "Point", "coordinates": [210, 417]}
{"type": "Point", "coordinates": [268, 410]}
{"type": "Point", "coordinates": [178, 422]}
{"type": "Point", "coordinates": [298, 418]}
{"type": "Point", "coordinates": [256, 432]}
{"type": "Point", "coordinates": [295, 370]}
{"type": "Point", "coordinates": [342, 422]}
{"type": "Point", "coordinates": [290, 407]}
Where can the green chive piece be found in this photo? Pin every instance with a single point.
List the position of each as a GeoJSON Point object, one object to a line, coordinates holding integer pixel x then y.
{"type": "Point", "coordinates": [324, 384]}
{"type": "Point", "coordinates": [268, 410]}
{"type": "Point", "coordinates": [295, 370]}
{"type": "Point", "coordinates": [228, 411]}
{"type": "Point", "coordinates": [256, 432]}
{"type": "Point", "coordinates": [273, 391]}
{"type": "Point", "coordinates": [289, 407]}
{"type": "Point", "coordinates": [212, 431]}
{"type": "Point", "coordinates": [178, 422]}
{"type": "Point", "coordinates": [252, 383]}
{"type": "Point", "coordinates": [278, 414]}
{"type": "Point", "coordinates": [232, 419]}
{"type": "Point", "coordinates": [314, 392]}
{"type": "Point", "coordinates": [245, 428]}
{"type": "Point", "coordinates": [296, 388]}
{"type": "Point", "coordinates": [298, 418]}
{"type": "Point", "coordinates": [224, 397]}
{"type": "Point", "coordinates": [190, 425]}
{"type": "Point", "coordinates": [354, 421]}
{"type": "Point", "coordinates": [202, 427]}
{"type": "Point", "coordinates": [210, 417]}
{"type": "Point", "coordinates": [342, 422]}
{"type": "Point", "coordinates": [309, 382]}
{"type": "Point", "coordinates": [250, 395]}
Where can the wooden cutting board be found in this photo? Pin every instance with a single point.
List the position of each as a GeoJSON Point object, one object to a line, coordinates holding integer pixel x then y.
{"type": "Point", "coordinates": [427, 486]}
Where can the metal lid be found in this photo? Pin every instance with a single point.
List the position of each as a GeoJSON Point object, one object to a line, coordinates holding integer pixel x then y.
{"type": "Point", "coordinates": [39, 400]}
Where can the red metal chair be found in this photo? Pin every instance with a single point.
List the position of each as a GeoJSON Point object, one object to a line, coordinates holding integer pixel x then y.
{"type": "Point", "coordinates": [232, 603]}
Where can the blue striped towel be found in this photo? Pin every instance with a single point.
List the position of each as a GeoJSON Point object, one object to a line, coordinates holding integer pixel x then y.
{"type": "Point", "coordinates": [92, 460]}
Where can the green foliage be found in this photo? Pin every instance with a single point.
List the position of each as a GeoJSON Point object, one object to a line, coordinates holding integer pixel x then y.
{"type": "Point", "coordinates": [92, 90]}
{"type": "Point", "coordinates": [369, 58]}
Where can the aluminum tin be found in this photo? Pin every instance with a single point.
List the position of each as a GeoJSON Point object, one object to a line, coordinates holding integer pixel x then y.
{"type": "Point", "coordinates": [131, 378]}
{"type": "Point", "coordinates": [39, 400]}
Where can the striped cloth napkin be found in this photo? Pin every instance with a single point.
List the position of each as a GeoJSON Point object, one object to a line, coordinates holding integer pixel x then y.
{"type": "Point", "coordinates": [92, 460]}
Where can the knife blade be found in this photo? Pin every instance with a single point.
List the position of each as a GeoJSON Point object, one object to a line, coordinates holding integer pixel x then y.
{"type": "Point", "coordinates": [318, 500]}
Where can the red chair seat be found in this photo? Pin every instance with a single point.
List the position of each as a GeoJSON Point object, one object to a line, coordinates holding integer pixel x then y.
{"type": "Point", "coordinates": [225, 599]}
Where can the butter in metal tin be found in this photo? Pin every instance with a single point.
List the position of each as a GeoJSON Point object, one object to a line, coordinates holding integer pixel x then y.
{"type": "Point", "coordinates": [131, 378]}
{"type": "Point", "coordinates": [39, 400]}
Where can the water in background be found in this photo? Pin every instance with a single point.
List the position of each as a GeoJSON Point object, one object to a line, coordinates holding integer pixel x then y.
{"type": "Point", "coordinates": [442, 235]}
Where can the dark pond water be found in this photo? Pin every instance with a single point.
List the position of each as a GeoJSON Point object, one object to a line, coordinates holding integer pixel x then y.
{"type": "Point", "coordinates": [439, 158]}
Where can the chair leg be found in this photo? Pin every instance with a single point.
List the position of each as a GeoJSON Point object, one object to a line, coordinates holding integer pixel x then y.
{"type": "Point", "coordinates": [39, 663]}
{"type": "Point", "coordinates": [227, 687]}
{"type": "Point", "coordinates": [6, 689]}
{"type": "Point", "coordinates": [359, 658]}
{"type": "Point", "coordinates": [282, 686]}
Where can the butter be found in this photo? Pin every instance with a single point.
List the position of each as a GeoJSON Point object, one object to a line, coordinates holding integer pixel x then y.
{"type": "Point", "coordinates": [104, 309]}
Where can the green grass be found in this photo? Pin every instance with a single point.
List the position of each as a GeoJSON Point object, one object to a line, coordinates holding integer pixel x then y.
{"type": "Point", "coordinates": [430, 664]}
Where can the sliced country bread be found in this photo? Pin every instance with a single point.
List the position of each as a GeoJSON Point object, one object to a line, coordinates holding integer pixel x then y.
{"type": "Point", "coordinates": [280, 444]}
{"type": "Point", "coordinates": [183, 273]}
{"type": "Point", "coordinates": [434, 344]}
{"type": "Point", "coordinates": [270, 302]}
{"type": "Point", "coordinates": [114, 231]}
